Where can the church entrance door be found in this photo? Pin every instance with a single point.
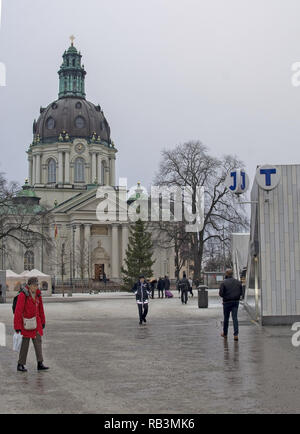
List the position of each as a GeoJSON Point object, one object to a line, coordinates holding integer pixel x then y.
{"type": "Point", "coordinates": [99, 270]}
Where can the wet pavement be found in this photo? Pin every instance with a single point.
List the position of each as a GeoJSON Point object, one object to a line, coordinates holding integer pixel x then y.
{"type": "Point", "coordinates": [102, 361]}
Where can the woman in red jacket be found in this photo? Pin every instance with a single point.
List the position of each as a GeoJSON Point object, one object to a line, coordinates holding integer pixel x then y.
{"type": "Point", "coordinates": [30, 321]}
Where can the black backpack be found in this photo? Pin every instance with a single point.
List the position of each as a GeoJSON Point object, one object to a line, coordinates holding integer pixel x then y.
{"type": "Point", "coordinates": [15, 300]}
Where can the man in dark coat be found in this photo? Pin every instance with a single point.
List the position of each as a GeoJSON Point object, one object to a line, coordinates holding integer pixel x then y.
{"type": "Point", "coordinates": [142, 291]}
{"type": "Point", "coordinates": [231, 291]}
{"type": "Point", "coordinates": [167, 284]}
{"type": "Point", "coordinates": [160, 287]}
{"type": "Point", "coordinates": [152, 287]}
{"type": "Point", "coordinates": [184, 288]}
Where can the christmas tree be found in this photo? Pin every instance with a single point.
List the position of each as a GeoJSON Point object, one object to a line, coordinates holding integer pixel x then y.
{"type": "Point", "coordinates": [138, 255]}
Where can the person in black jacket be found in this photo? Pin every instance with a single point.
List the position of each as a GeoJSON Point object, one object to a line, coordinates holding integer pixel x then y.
{"type": "Point", "coordinates": [167, 284]}
{"type": "Point", "coordinates": [152, 287]}
{"type": "Point", "coordinates": [142, 291]}
{"type": "Point", "coordinates": [231, 292]}
{"type": "Point", "coordinates": [160, 287]}
{"type": "Point", "coordinates": [184, 288]}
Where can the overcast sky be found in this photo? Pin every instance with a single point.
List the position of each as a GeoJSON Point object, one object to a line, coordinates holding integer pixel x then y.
{"type": "Point", "coordinates": [164, 72]}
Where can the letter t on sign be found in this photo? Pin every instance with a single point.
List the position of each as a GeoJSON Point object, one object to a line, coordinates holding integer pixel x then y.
{"type": "Point", "coordinates": [268, 173]}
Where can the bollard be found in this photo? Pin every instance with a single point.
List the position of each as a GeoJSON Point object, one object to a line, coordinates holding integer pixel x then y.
{"type": "Point", "coordinates": [202, 297]}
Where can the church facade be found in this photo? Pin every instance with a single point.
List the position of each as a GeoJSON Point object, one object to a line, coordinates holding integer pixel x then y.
{"type": "Point", "coordinates": [71, 155]}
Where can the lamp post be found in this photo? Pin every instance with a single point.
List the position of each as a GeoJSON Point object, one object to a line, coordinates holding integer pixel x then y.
{"type": "Point", "coordinates": [42, 252]}
{"type": "Point", "coordinates": [74, 230]}
{"type": "Point", "coordinates": [3, 257]}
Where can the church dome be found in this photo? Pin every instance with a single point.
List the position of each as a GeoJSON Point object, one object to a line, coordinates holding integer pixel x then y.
{"type": "Point", "coordinates": [71, 116]}
{"type": "Point", "coordinates": [76, 117]}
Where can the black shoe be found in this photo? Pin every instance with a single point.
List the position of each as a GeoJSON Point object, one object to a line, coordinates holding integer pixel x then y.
{"type": "Point", "coordinates": [144, 320]}
{"type": "Point", "coordinates": [21, 368]}
{"type": "Point", "coordinates": [41, 367]}
{"type": "Point", "coordinates": [141, 322]}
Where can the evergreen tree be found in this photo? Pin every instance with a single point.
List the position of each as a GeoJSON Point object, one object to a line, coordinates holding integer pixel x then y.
{"type": "Point", "coordinates": [138, 255]}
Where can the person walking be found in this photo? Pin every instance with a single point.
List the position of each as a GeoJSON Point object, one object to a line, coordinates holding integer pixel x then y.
{"type": "Point", "coordinates": [191, 287]}
{"type": "Point", "coordinates": [160, 287]}
{"type": "Point", "coordinates": [29, 320]}
{"type": "Point", "coordinates": [184, 288]}
{"type": "Point", "coordinates": [231, 292]}
{"type": "Point", "coordinates": [177, 286]}
{"type": "Point", "coordinates": [142, 291]}
{"type": "Point", "coordinates": [167, 285]}
{"type": "Point", "coordinates": [104, 279]}
{"type": "Point", "coordinates": [152, 287]}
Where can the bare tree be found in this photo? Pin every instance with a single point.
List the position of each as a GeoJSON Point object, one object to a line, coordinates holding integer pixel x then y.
{"type": "Point", "coordinates": [22, 219]}
{"type": "Point", "coordinates": [190, 165]}
{"type": "Point", "coordinates": [172, 234]}
{"type": "Point", "coordinates": [82, 262]}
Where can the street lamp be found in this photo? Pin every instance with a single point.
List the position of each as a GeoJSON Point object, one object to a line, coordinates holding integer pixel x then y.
{"type": "Point", "coordinates": [74, 230]}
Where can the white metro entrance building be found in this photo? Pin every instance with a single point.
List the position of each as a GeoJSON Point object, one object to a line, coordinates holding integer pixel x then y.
{"type": "Point", "coordinates": [273, 277]}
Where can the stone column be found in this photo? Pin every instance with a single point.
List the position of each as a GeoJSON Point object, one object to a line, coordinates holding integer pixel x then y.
{"type": "Point", "coordinates": [60, 168]}
{"type": "Point", "coordinates": [114, 252]}
{"type": "Point", "coordinates": [67, 168]}
{"type": "Point", "coordinates": [107, 171]}
{"type": "Point", "coordinates": [125, 234]}
{"type": "Point", "coordinates": [94, 167]}
{"type": "Point", "coordinates": [30, 165]}
{"type": "Point", "coordinates": [38, 169]}
{"type": "Point", "coordinates": [87, 249]}
{"type": "Point", "coordinates": [113, 172]}
{"type": "Point", "coordinates": [34, 170]}
{"type": "Point", "coordinates": [99, 168]}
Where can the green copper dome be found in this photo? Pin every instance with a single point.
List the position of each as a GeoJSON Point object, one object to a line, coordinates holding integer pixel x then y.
{"type": "Point", "coordinates": [26, 191]}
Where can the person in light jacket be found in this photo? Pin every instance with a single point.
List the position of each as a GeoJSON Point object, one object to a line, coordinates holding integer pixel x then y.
{"type": "Point", "coordinates": [30, 305]}
{"type": "Point", "coordinates": [142, 291]}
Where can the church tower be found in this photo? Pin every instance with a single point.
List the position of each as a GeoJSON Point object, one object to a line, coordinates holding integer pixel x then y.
{"type": "Point", "coordinates": [72, 148]}
{"type": "Point", "coordinates": [72, 74]}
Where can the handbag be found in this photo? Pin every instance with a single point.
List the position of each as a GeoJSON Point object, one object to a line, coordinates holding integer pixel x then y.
{"type": "Point", "coordinates": [30, 323]}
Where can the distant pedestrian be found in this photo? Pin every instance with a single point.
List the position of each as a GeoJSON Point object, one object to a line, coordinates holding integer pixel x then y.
{"type": "Point", "coordinates": [231, 292]}
{"type": "Point", "coordinates": [184, 288]}
{"type": "Point", "coordinates": [160, 287]}
{"type": "Point", "coordinates": [142, 291]}
{"type": "Point", "coordinates": [167, 284]}
{"type": "Point", "coordinates": [104, 279]}
{"type": "Point", "coordinates": [178, 287]}
{"type": "Point", "coordinates": [152, 287]}
{"type": "Point", "coordinates": [191, 287]}
{"type": "Point", "coordinates": [29, 320]}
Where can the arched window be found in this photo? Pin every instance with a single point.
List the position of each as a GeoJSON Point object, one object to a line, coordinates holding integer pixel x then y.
{"type": "Point", "coordinates": [79, 170]}
{"type": "Point", "coordinates": [29, 260]}
{"type": "Point", "coordinates": [52, 171]}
